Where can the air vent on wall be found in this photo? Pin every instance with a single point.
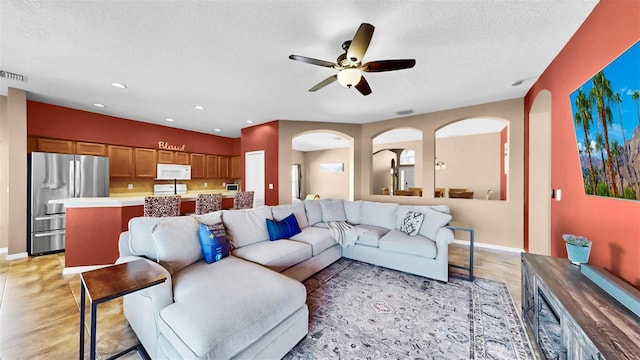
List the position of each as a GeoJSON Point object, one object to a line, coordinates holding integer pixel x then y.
{"type": "Point", "coordinates": [12, 76]}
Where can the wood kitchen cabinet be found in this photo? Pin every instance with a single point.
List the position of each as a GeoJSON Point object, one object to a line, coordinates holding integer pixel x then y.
{"type": "Point", "coordinates": [166, 157]}
{"type": "Point", "coordinates": [181, 158]}
{"type": "Point", "coordinates": [120, 161]}
{"type": "Point", "coordinates": [212, 166]}
{"type": "Point", "coordinates": [95, 149]}
{"type": "Point", "coordinates": [223, 167]}
{"type": "Point", "coordinates": [145, 162]}
{"type": "Point", "coordinates": [234, 167]}
{"type": "Point", "coordinates": [197, 166]}
{"type": "Point", "coordinates": [56, 146]}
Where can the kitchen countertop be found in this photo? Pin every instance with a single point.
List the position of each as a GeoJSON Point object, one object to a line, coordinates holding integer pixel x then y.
{"type": "Point", "coordinates": [128, 199]}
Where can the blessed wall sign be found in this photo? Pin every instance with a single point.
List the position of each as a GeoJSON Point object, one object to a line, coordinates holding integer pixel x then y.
{"type": "Point", "coordinates": [164, 145]}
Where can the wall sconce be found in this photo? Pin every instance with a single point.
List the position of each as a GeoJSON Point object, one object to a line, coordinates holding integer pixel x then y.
{"type": "Point", "coordinates": [440, 165]}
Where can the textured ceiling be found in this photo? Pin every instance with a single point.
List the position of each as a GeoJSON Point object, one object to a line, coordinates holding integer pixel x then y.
{"type": "Point", "coordinates": [232, 56]}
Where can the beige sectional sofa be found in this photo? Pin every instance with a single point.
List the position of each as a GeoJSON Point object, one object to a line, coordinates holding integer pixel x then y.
{"type": "Point", "coordinates": [251, 304]}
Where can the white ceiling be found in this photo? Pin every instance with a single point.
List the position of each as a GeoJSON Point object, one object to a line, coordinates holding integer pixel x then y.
{"type": "Point", "coordinates": [232, 56]}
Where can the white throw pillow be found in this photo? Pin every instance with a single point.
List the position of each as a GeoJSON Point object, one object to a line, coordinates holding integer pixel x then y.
{"type": "Point", "coordinates": [177, 244]}
{"type": "Point", "coordinates": [332, 210]}
{"type": "Point", "coordinates": [282, 211]}
{"type": "Point", "coordinates": [433, 221]}
{"type": "Point", "coordinates": [211, 218]}
{"type": "Point", "coordinates": [411, 223]}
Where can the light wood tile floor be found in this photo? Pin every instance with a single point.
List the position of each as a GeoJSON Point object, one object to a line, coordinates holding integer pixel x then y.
{"type": "Point", "coordinates": [39, 307]}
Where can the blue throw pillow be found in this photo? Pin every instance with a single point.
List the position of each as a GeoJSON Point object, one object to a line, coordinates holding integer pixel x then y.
{"type": "Point", "coordinates": [213, 242]}
{"type": "Point", "coordinates": [283, 229]}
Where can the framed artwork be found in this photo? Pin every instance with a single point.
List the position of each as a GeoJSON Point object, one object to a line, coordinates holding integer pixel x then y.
{"type": "Point", "coordinates": [606, 118]}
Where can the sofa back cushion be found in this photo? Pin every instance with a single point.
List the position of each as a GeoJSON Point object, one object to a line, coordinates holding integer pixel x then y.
{"type": "Point", "coordinates": [378, 214]}
{"type": "Point", "coordinates": [332, 210]}
{"type": "Point", "coordinates": [246, 226]}
{"type": "Point", "coordinates": [435, 217]}
{"type": "Point", "coordinates": [211, 218]}
{"type": "Point", "coordinates": [314, 212]}
{"type": "Point", "coordinates": [140, 240]}
{"type": "Point", "coordinates": [177, 243]}
{"type": "Point", "coordinates": [352, 210]}
{"type": "Point", "coordinates": [282, 211]}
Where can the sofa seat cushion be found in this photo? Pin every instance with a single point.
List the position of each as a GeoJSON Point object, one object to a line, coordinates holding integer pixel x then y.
{"type": "Point", "coordinates": [418, 245]}
{"type": "Point", "coordinates": [370, 235]}
{"type": "Point", "coordinates": [222, 308]}
{"type": "Point", "coordinates": [318, 238]}
{"type": "Point", "coordinates": [276, 255]}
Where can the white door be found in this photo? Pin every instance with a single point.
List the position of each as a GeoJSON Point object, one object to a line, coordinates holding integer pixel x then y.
{"type": "Point", "coordinates": [540, 175]}
{"type": "Point", "coordinates": [254, 175]}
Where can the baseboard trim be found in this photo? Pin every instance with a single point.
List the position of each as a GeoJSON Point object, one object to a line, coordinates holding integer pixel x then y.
{"type": "Point", "coordinates": [4, 250]}
{"type": "Point", "coordinates": [488, 246]}
{"type": "Point", "coordinates": [79, 269]}
{"type": "Point", "coordinates": [17, 256]}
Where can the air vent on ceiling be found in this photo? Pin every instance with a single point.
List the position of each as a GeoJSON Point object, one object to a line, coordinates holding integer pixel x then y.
{"type": "Point", "coordinates": [12, 76]}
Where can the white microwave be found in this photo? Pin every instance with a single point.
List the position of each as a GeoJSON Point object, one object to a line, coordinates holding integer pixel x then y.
{"type": "Point", "coordinates": [173, 172]}
{"type": "Point", "coordinates": [232, 187]}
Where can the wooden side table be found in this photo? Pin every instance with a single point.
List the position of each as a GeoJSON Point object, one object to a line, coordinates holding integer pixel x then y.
{"type": "Point", "coordinates": [110, 283]}
{"type": "Point", "coordinates": [471, 240]}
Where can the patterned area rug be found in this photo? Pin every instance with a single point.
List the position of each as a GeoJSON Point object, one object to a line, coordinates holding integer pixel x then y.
{"type": "Point", "coordinates": [362, 311]}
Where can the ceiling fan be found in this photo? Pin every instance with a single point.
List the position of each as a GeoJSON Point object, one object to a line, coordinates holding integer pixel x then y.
{"type": "Point", "coordinates": [350, 64]}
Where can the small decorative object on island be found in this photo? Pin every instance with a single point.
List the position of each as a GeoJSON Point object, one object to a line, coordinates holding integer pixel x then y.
{"type": "Point", "coordinates": [578, 248]}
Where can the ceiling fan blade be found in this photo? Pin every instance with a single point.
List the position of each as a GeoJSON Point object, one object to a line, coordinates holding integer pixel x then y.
{"type": "Point", "coordinates": [312, 61]}
{"type": "Point", "coordinates": [360, 43]}
{"type": "Point", "coordinates": [363, 87]}
{"type": "Point", "coordinates": [388, 65]}
{"type": "Point", "coordinates": [324, 83]}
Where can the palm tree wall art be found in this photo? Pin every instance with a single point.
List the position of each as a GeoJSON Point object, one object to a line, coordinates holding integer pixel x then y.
{"type": "Point", "coordinates": [606, 118]}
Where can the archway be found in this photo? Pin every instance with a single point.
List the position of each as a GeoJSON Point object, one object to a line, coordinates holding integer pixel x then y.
{"type": "Point", "coordinates": [539, 179]}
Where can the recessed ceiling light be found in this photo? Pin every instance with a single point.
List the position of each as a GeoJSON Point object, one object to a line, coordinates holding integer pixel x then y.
{"type": "Point", "coordinates": [119, 86]}
{"type": "Point", "coordinates": [199, 107]}
{"type": "Point", "coordinates": [516, 83]}
{"type": "Point", "coordinates": [217, 130]}
{"type": "Point", "coordinates": [249, 122]}
{"type": "Point", "coordinates": [169, 119]}
{"type": "Point", "coordinates": [99, 105]}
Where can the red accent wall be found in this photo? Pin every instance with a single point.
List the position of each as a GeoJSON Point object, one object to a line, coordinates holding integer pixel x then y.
{"type": "Point", "coordinates": [503, 176]}
{"type": "Point", "coordinates": [612, 224]}
{"type": "Point", "coordinates": [65, 123]}
{"type": "Point", "coordinates": [263, 137]}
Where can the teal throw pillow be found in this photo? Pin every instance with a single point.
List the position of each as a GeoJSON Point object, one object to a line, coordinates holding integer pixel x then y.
{"type": "Point", "coordinates": [213, 242]}
{"type": "Point", "coordinates": [283, 229]}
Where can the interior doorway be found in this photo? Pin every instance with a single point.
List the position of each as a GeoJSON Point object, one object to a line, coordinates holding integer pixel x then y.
{"type": "Point", "coordinates": [539, 198]}
{"type": "Point", "coordinates": [254, 175]}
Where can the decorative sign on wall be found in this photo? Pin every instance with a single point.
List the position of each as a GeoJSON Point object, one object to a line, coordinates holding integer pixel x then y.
{"type": "Point", "coordinates": [164, 145]}
{"type": "Point", "coordinates": [332, 167]}
{"type": "Point", "coordinates": [606, 117]}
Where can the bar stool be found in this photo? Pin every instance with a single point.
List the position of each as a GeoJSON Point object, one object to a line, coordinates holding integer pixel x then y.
{"type": "Point", "coordinates": [161, 206]}
{"type": "Point", "coordinates": [243, 200]}
{"type": "Point", "coordinates": [206, 203]}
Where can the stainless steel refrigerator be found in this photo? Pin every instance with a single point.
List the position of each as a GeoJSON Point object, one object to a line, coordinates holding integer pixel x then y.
{"type": "Point", "coordinates": [59, 176]}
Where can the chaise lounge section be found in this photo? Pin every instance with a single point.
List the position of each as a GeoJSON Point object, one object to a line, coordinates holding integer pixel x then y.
{"type": "Point", "coordinates": [251, 304]}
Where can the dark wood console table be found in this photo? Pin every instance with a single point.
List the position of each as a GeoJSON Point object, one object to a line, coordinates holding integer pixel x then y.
{"type": "Point", "coordinates": [109, 283]}
{"type": "Point", "coordinates": [570, 317]}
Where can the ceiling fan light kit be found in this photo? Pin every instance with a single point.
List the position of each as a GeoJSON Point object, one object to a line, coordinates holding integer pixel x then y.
{"type": "Point", "coordinates": [349, 64]}
{"type": "Point", "coordinates": [349, 77]}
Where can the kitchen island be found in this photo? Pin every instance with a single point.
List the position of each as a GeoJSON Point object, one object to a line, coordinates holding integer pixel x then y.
{"type": "Point", "coordinates": [93, 226]}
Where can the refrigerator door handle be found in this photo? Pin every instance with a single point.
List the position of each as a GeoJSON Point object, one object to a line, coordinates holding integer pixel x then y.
{"type": "Point", "coordinates": [49, 233]}
{"type": "Point", "coordinates": [77, 179]}
{"type": "Point", "coordinates": [50, 217]}
{"type": "Point", "coordinates": [71, 182]}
